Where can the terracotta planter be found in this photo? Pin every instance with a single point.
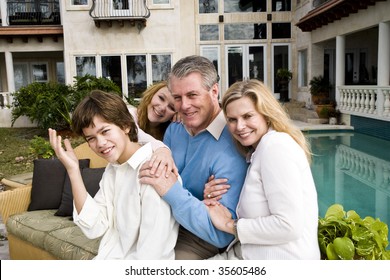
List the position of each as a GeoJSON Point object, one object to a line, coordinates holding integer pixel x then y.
{"type": "Point", "coordinates": [317, 99]}
{"type": "Point", "coordinates": [323, 110]}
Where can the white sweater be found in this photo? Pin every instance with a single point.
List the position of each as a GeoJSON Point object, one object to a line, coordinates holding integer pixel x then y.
{"type": "Point", "coordinates": [278, 209]}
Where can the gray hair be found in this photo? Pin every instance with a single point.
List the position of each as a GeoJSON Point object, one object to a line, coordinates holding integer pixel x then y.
{"type": "Point", "coordinates": [195, 64]}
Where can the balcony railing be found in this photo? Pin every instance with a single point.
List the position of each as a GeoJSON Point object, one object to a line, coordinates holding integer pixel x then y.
{"type": "Point", "coordinates": [121, 10]}
{"type": "Point", "coordinates": [366, 101]}
{"type": "Point", "coordinates": [34, 12]}
{"type": "Point", "coordinates": [368, 169]}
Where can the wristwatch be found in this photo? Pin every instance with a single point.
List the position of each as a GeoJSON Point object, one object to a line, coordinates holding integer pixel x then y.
{"type": "Point", "coordinates": [235, 228]}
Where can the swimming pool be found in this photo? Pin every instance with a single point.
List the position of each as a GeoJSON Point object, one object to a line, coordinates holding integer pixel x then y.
{"type": "Point", "coordinates": [352, 169]}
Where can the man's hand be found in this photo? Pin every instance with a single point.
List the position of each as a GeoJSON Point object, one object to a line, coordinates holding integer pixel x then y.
{"type": "Point", "coordinates": [162, 161]}
{"type": "Point", "coordinates": [161, 184]}
{"type": "Point", "coordinates": [221, 217]}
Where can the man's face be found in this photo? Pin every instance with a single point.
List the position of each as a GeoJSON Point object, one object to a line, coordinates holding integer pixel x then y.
{"type": "Point", "coordinates": [195, 104]}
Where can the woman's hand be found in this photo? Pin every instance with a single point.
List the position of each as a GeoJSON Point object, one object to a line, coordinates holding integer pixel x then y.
{"type": "Point", "coordinates": [215, 188]}
{"type": "Point", "coordinates": [162, 161]}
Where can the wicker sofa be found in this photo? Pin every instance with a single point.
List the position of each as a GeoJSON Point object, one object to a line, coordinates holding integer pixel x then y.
{"type": "Point", "coordinates": [40, 234]}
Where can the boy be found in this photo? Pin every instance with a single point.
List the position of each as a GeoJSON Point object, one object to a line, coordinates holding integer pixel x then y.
{"type": "Point", "coordinates": [132, 218]}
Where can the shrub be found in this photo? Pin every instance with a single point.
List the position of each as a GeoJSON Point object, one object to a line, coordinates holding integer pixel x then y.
{"type": "Point", "coordinates": [41, 148]}
{"type": "Point", "coordinates": [50, 104]}
{"type": "Point", "coordinates": [85, 84]}
{"type": "Point", "coordinates": [45, 103]}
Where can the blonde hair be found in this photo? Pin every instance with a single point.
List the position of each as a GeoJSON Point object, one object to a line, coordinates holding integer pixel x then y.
{"type": "Point", "coordinates": [142, 112]}
{"type": "Point", "coordinates": [265, 104]}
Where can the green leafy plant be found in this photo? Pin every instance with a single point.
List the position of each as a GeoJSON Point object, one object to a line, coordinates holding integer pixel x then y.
{"type": "Point", "coordinates": [85, 84]}
{"type": "Point", "coordinates": [51, 104]}
{"type": "Point", "coordinates": [44, 103]}
{"type": "Point", "coordinates": [345, 236]}
{"type": "Point", "coordinates": [320, 86]}
{"type": "Point", "coordinates": [283, 74]}
{"type": "Point", "coordinates": [41, 148]}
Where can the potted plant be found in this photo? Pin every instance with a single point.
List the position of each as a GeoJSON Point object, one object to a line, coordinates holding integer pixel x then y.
{"type": "Point", "coordinates": [283, 77]}
{"type": "Point", "coordinates": [319, 89]}
{"type": "Point", "coordinates": [345, 236]}
{"type": "Point", "coordinates": [334, 116]}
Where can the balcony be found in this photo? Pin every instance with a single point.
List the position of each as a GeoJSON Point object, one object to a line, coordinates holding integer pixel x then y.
{"type": "Point", "coordinates": [133, 11]}
{"type": "Point", "coordinates": [33, 13]}
{"type": "Point", "coordinates": [328, 11]}
{"type": "Point", "coordinates": [31, 20]}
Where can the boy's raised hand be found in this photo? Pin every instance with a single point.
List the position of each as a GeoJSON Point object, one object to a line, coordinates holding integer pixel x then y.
{"type": "Point", "coordinates": [67, 155]}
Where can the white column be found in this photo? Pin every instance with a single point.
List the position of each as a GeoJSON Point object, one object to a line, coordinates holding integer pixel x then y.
{"type": "Point", "coordinates": [340, 62]}
{"type": "Point", "coordinates": [9, 65]}
{"type": "Point", "coordinates": [384, 54]}
{"type": "Point", "coordinates": [3, 10]}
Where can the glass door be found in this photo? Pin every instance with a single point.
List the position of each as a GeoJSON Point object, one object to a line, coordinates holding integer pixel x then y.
{"type": "Point", "coordinates": [235, 64]}
{"type": "Point", "coordinates": [281, 60]}
{"type": "Point", "coordinates": [245, 62]}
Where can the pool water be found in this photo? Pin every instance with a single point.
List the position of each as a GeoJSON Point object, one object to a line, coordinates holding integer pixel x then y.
{"type": "Point", "coordinates": [352, 169]}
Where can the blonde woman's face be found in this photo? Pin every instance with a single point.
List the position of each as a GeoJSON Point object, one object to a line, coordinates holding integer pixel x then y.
{"type": "Point", "coordinates": [161, 108]}
{"type": "Point", "coordinates": [244, 122]}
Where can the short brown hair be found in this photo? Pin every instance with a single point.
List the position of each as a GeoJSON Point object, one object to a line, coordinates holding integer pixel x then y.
{"type": "Point", "coordinates": [108, 106]}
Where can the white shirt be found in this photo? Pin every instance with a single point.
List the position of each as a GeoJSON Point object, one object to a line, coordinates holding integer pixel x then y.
{"type": "Point", "coordinates": [134, 221]}
{"type": "Point", "coordinates": [278, 209]}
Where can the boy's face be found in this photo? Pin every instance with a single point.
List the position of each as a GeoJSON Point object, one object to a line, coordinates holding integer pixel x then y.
{"type": "Point", "coordinates": [108, 140]}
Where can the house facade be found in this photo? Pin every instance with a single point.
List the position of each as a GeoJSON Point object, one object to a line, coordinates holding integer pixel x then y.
{"type": "Point", "coordinates": [349, 43]}
{"type": "Point", "coordinates": [135, 43]}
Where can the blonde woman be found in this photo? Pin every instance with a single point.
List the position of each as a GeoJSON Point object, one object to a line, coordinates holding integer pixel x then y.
{"type": "Point", "coordinates": [277, 213]}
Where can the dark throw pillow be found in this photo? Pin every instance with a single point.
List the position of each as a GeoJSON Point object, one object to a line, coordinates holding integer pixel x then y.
{"type": "Point", "coordinates": [91, 178]}
{"type": "Point", "coordinates": [48, 183]}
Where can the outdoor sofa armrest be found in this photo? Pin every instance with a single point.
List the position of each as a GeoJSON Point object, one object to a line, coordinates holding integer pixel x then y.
{"type": "Point", "coordinates": [14, 199]}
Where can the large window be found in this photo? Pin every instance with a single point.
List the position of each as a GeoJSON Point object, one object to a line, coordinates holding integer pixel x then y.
{"type": "Point", "coordinates": [244, 6]}
{"type": "Point", "coordinates": [213, 54]}
{"type": "Point", "coordinates": [133, 73]}
{"type": "Point", "coordinates": [60, 71]}
{"type": "Point", "coordinates": [245, 31]}
{"type": "Point", "coordinates": [85, 65]}
{"type": "Point", "coordinates": [29, 72]}
{"type": "Point", "coordinates": [161, 65]}
{"type": "Point", "coordinates": [281, 58]}
{"type": "Point", "coordinates": [111, 69]}
{"type": "Point", "coordinates": [136, 75]}
{"type": "Point", "coordinates": [21, 75]}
